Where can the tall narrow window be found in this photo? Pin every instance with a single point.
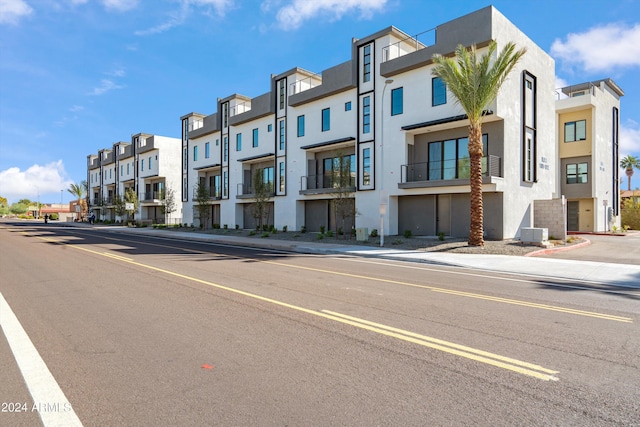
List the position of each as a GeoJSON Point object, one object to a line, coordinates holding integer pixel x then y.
{"type": "Point", "coordinates": [149, 162]}
{"type": "Point", "coordinates": [326, 119]}
{"type": "Point", "coordinates": [366, 166]}
{"type": "Point", "coordinates": [185, 158]}
{"type": "Point", "coordinates": [225, 115]}
{"type": "Point", "coordinates": [225, 183]}
{"type": "Point", "coordinates": [195, 153]}
{"type": "Point", "coordinates": [255, 137]}
{"type": "Point", "coordinates": [239, 142]}
{"type": "Point", "coordinates": [300, 125]}
{"type": "Point", "coordinates": [529, 137]}
{"type": "Point", "coordinates": [396, 101]}
{"type": "Point", "coordinates": [282, 93]}
{"type": "Point", "coordinates": [366, 114]}
{"type": "Point", "coordinates": [141, 165]}
{"type": "Point", "coordinates": [207, 150]}
{"type": "Point", "coordinates": [366, 63]}
{"type": "Point", "coordinates": [225, 149]}
{"type": "Point", "coordinates": [438, 91]}
{"type": "Point", "coordinates": [282, 134]}
{"type": "Point", "coordinates": [281, 177]}
{"type": "Point", "coordinates": [530, 160]}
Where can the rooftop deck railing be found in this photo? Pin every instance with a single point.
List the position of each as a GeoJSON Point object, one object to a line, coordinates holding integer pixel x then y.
{"type": "Point", "coordinates": [409, 45]}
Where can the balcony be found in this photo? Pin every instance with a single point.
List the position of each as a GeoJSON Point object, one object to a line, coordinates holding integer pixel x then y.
{"type": "Point", "coordinates": [151, 196]}
{"type": "Point", "coordinates": [305, 84]}
{"type": "Point", "coordinates": [409, 45]}
{"type": "Point", "coordinates": [246, 191]}
{"type": "Point", "coordinates": [436, 174]}
{"type": "Point", "coordinates": [213, 193]}
{"type": "Point", "coordinates": [330, 183]}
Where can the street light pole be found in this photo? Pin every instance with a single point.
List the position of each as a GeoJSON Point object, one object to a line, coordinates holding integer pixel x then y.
{"type": "Point", "coordinates": [383, 199]}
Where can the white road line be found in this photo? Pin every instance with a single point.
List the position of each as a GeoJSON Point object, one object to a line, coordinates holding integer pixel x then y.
{"type": "Point", "coordinates": [48, 399]}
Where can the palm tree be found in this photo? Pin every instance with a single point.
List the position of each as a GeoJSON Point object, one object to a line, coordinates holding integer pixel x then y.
{"type": "Point", "coordinates": [628, 163]}
{"type": "Point", "coordinates": [79, 191]}
{"type": "Point", "coordinates": [475, 83]}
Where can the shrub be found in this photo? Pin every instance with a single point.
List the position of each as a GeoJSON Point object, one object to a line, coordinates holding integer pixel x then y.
{"type": "Point", "coordinates": [374, 233]}
{"type": "Point", "coordinates": [54, 216]}
{"type": "Point", "coordinates": [216, 226]}
{"type": "Point", "coordinates": [441, 236]}
{"type": "Point", "coordinates": [303, 229]}
{"type": "Point", "coordinates": [252, 233]}
{"type": "Point", "coordinates": [320, 236]}
{"type": "Point", "coordinates": [284, 228]}
{"type": "Point", "coordinates": [322, 229]}
{"type": "Point", "coordinates": [407, 234]}
{"type": "Point", "coordinates": [265, 234]}
{"type": "Point", "coordinates": [329, 233]}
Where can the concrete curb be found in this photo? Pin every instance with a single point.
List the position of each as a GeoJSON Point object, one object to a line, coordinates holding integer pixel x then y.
{"type": "Point", "coordinates": [547, 251]}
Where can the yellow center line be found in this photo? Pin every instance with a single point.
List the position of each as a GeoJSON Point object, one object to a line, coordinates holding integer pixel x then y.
{"type": "Point", "coordinates": [481, 356]}
{"type": "Point", "coordinates": [466, 294]}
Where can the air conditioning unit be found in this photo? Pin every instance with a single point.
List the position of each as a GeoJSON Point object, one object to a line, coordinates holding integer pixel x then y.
{"type": "Point", "coordinates": [534, 235]}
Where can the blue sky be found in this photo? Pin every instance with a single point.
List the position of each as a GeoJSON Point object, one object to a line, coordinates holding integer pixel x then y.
{"type": "Point", "coordinates": [78, 75]}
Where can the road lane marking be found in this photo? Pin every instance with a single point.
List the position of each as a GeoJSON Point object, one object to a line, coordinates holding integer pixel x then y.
{"type": "Point", "coordinates": [48, 398]}
{"type": "Point", "coordinates": [502, 300]}
{"type": "Point", "coordinates": [120, 257]}
{"type": "Point", "coordinates": [466, 294]}
{"type": "Point", "coordinates": [509, 363]}
{"type": "Point", "coordinates": [481, 356]}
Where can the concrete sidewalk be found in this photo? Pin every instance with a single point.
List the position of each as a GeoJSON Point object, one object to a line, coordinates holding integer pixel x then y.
{"type": "Point", "coordinates": [575, 271]}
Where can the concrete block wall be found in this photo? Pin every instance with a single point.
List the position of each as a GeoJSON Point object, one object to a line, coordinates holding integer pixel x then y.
{"type": "Point", "coordinates": [550, 214]}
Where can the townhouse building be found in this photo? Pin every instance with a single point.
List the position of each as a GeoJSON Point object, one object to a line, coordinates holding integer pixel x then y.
{"type": "Point", "coordinates": [588, 118]}
{"type": "Point", "coordinates": [149, 165]}
{"type": "Point", "coordinates": [382, 128]}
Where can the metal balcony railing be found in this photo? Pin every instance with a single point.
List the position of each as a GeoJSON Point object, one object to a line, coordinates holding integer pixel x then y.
{"type": "Point", "coordinates": [327, 181]}
{"type": "Point", "coordinates": [248, 190]}
{"type": "Point", "coordinates": [448, 170]}
{"type": "Point", "coordinates": [305, 84]}
{"type": "Point", "coordinates": [211, 192]}
{"type": "Point", "coordinates": [409, 45]}
{"type": "Point", "coordinates": [152, 195]}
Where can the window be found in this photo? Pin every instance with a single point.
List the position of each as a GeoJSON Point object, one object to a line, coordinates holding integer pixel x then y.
{"type": "Point", "coordinates": [577, 173]}
{"type": "Point", "coordinates": [207, 150]}
{"type": "Point", "coordinates": [281, 177]}
{"type": "Point", "coordinates": [347, 106]}
{"type": "Point", "coordinates": [575, 131]}
{"type": "Point", "coordinates": [255, 137]}
{"type": "Point", "coordinates": [339, 171]}
{"type": "Point", "coordinates": [450, 159]}
{"type": "Point", "coordinates": [225, 183]}
{"type": "Point", "coordinates": [366, 63]}
{"type": "Point", "coordinates": [366, 166]}
{"type": "Point", "coordinates": [438, 91]}
{"type": "Point", "coordinates": [300, 125]}
{"type": "Point", "coordinates": [225, 149]}
{"type": "Point", "coordinates": [127, 168]}
{"type": "Point", "coordinates": [239, 142]}
{"type": "Point", "coordinates": [195, 153]}
{"type": "Point", "coordinates": [269, 127]}
{"type": "Point", "coordinates": [217, 142]}
{"type": "Point", "coordinates": [225, 114]}
{"type": "Point", "coordinates": [282, 134]}
{"type": "Point", "coordinates": [121, 170]}
{"type": "Point", "coordinates": [141, 166]}
{"type": "Point", "coordinates": [529, 126]}
{"type": "Point", "coordinates": [185, 158]}
{"type": "Point", "coordinates": [267, 177]}
{"type": "Point", "coordinates": [366, 114]}
{"type": "Point", "coordinates": [149, 162]}
{"type": "Point", "coordinates": [282, 93]}
{"type": "Point", "coordinates": [326, 119]}
{"type": "Point", "coordinates": [396, 101]}
{"type": "Point", "coordinates": [529, 159]}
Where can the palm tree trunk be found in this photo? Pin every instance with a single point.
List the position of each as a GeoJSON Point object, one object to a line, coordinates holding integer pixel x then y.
{"type": "Point", "coordinates": [476, 232]}
{"type": "Point", "coordinates": [629, 172]}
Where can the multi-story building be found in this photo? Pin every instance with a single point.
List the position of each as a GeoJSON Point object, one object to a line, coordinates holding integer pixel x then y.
{"type": "Point", "coordinates": [588, 118]}
{"type": "Point", "coordinates": [149, 165]}
{"type": "Point", "coordinates": [389, 132]}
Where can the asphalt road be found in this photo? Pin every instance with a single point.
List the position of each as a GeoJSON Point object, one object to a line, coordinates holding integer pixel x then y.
{"type": "Point", "coordinates": [145, 331]}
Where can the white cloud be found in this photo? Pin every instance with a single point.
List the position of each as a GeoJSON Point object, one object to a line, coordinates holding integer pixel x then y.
{"type": "Point", "coordinates": [105, 86]}
{"type": "Point", "coordinates": [44, 181]}
{"type": "Point", "coordinates": [630, 138]}
{"type": "Point", "coordinates": [600, 48]}
{"type": "Point", "coordinates": [291, 16]}
{"type": "Point", "coordinates": [120, 5]}
{"type": "Point", "coordinates": [178, 17]}
{"type": "Point", "coordinates": [12, 10]}
{"type": "Point", "coordinates": [76, 108]}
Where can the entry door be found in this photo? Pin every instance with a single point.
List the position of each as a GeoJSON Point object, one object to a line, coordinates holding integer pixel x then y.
{"type": "Point", "coordinates": [573, 216]}
{"type": "Point", "coordinates": [443, 218]}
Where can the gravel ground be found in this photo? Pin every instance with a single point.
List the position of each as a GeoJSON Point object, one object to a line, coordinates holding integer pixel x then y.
{"type": "Point", "coordinates": [420, 243]}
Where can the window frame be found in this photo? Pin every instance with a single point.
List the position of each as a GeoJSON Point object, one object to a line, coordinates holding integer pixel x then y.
{"type": "Point", "coordinates": [366, 114]}
{"type": "Point", "coordinates": [239, 141]}
{"type": "Point", "coordinates": [574, 131]}
{"type": "Point", "coordinates": [439, 97]}
{"type": "Point", "coordinates": [577, 174]}
{"type": "Point", "coordinates": [207, 150]}
{"type": "Point", "coordinates": [300, 128]}
{"type": "Point", "coordinates": [254, 138]}
{"type": "Point", "coordinates": [366, 63]}
{"type": "Point", "coordinates": [397, 101]}
{"type": "Point", "coordinates": [326, 119]}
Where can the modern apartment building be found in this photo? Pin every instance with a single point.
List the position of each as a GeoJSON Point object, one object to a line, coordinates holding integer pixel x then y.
{"type": "Point", "coordinates": [149, 165]}
{"type": "Point", "coordinates": [588, 117]}
{"type": "Point", "coordinates": [382, 119]}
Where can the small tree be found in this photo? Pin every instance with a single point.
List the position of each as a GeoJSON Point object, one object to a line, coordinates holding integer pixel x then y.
{"type": "Point", "coordinates": [168, 205]}
{"type": "Point", "coordinates": [120, 205]}
{"type": "Point", "coordinates": [262, 189]}
{"type": "Point", "coordinates": [131, 197]}
{"type": "Point", "coordinates": [18, 208]}
{"type": "Point", "coordinates": [343, 183]}
{"type": "Point", "coordinates": [202, 204]}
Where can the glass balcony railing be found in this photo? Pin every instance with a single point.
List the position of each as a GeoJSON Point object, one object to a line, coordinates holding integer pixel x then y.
{"type": "Point", "coordinates": [448, 170]}
{"type": "Point", "coordinates": [409, 45]}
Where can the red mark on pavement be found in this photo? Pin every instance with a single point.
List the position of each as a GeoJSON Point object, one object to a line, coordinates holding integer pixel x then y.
{"type": "Point", "coordinates": [205, 366]}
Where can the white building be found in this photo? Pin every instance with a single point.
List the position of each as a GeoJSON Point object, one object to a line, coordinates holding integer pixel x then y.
{"type": "Point", "coordinates": [149, 165]}
{"type": "Point", "coordinates": [400, 132]}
